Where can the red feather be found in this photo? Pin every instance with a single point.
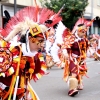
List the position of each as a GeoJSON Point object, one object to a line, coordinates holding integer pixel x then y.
{"type": "Point", "coordinates": [3, 32]}
{"type": "Point", "coordinates": [55, 21]}
{"type": "Point", "coordinates": [43, 14]}
{"type": "Point", "coordinates": [66, 32]}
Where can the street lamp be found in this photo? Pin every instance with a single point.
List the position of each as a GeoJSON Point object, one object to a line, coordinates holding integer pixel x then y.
{"type": "Point", "coordinates": [15, 7]}
{"type": "Point", "coordinates": [92, 31]}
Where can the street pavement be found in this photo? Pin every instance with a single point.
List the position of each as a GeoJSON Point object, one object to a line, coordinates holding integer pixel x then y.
{"type": "Point", "coordinates": [52, 86]}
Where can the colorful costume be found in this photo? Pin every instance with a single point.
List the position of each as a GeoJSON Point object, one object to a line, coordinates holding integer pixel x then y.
{"type": "Point", "coordinates": [96, 45]}
{"type": "Point", "coordinates": [18, 64]}
{"type": "Point", "coordinates": [76, 64]}
{"type": "Point", "coordinates": [24, 65]}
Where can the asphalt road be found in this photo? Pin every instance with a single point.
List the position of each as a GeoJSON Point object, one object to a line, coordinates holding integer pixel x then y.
{"type": "Point", "coordinates": [52, 86]}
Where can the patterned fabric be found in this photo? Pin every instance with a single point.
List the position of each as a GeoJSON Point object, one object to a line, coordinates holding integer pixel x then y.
{"type": "Point", "coordinates": [40, 67]}
{"type": "Point", "coordinates": [32, 69]}
{"type": "Point", "coordinates": [77, 55]}
{"type": "Point", "coordinates": [9, 57]}
{"type": "Point", "coordinates": [68, 41]}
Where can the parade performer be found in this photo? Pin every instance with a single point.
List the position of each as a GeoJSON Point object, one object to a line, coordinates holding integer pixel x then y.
{"type": "Point", "coordinates": [96, 44]}
{"type": "Point", "coordinates": [92, 48]}
{"type": "Point", "coordinates": [28, 57]}
{"type": "Point", "coordinates": [54, 37]}
{"type": "Point", "coordinates": [20, 60]}
{"type": "Point", "coordinates": [49, 43]}
{"type": "Point", "coordinates": [75, 67]}
{"type": "Point", "coordinates": [55, 41]}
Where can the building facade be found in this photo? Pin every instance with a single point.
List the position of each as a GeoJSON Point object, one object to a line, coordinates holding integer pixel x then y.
{"type": "Point", "coordinates": [12, 6]}
{"type": "Point", "coordinates": [92, 11]}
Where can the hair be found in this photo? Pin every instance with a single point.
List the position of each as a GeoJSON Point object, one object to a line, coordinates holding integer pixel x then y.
{"type": "Point", "coordinates": [23, 38]}
{"type": "Point", "coordinates": [80, 25]}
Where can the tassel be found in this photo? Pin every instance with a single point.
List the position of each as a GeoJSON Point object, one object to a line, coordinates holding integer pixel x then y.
{"type": "Point", "coordinates": [33, 93]}
{"type": "Point", "coordinates": [22, 81]}
{"type": "Point", "coordinates": [10, 89]}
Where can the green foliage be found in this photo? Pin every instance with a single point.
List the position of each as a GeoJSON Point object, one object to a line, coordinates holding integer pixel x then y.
{"type": "Point", "coordinates": [72, 11]}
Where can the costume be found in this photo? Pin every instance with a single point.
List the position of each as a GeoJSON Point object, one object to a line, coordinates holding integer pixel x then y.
{"type": "Point", "coordinates": [21, 60]}
{"type": "Point", "coordinates": [49, 44]}
{"type": "Point", "coordinates": [75, 67]}
{"type": "Point", "coordinates": [92, 47]}
{"type": "Point", "coordinates": [77, 64]}
{"type": "Point", "coordinates": [54, 44]}
{"type": "Point", "coordinates": [96, 45]}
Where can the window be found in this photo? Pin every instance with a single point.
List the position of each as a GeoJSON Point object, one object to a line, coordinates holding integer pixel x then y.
{"type": "Point", "coordinates": [98, 2]}
{"type": "Point", "coordinates": [99, 30]}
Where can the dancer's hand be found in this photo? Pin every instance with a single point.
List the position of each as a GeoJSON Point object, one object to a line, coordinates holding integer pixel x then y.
{"type": "Point", "coordinates": [65, 54]}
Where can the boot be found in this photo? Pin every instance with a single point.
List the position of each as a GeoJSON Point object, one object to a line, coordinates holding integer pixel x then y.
{"type": "Point", "coordinates": [73, 83]}
{"type": "Point", "coordinates": [80, 85]}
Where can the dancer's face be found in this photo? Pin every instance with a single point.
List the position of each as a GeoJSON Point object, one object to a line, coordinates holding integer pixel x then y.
{"type": "Point", "coordinates": [82, 32]}
{"type": "Point", "coordinates": [35, 43]}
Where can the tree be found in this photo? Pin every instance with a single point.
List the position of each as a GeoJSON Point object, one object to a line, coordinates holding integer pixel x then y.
{"type": "Point", "coordinates": [73, 9]}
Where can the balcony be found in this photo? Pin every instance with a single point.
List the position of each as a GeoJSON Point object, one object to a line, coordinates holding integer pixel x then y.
{"type": "Point", "coordinates": [20, 2]}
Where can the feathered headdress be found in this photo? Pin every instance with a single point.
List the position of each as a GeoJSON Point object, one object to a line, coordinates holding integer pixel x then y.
{"type": "Point", "coordinates": [32, 19]}
{"type": "Point", "coordinates": [82, 22]}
